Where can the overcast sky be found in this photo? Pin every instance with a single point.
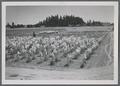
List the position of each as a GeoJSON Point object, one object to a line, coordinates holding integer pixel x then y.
{"type": "Point", "coordinates": [34, 14]}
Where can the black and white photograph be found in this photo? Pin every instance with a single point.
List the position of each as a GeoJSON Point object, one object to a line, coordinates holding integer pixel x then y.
{"type": "Point", "coordinates": [60, 42]}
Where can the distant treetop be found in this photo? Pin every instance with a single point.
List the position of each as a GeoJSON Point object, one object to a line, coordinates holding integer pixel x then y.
{"type": "Point", "coordinates": [56, 20]}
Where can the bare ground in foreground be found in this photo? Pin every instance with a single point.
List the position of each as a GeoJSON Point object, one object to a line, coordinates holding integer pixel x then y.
{"type": "Point", "coordinates": [101, 73]}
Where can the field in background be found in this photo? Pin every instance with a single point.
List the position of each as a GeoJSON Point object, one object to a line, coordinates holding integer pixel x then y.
{"type": "Point", "coordinates": [62, 30]}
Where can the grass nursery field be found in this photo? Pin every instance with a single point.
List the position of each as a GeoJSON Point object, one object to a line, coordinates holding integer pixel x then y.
{"type": "Point", "coordinates": [61, 49]}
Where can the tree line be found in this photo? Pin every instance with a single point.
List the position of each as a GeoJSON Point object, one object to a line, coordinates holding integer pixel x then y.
{"type": "Point", "coordinates": [58, 21]}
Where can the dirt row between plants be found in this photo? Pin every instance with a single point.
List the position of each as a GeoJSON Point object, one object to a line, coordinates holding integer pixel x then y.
{"type": "Point", "coordinates": [100, 56]}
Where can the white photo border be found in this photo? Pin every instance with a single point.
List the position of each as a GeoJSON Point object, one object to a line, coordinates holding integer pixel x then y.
{"type": "Point", "coordinates": [75, 82]}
